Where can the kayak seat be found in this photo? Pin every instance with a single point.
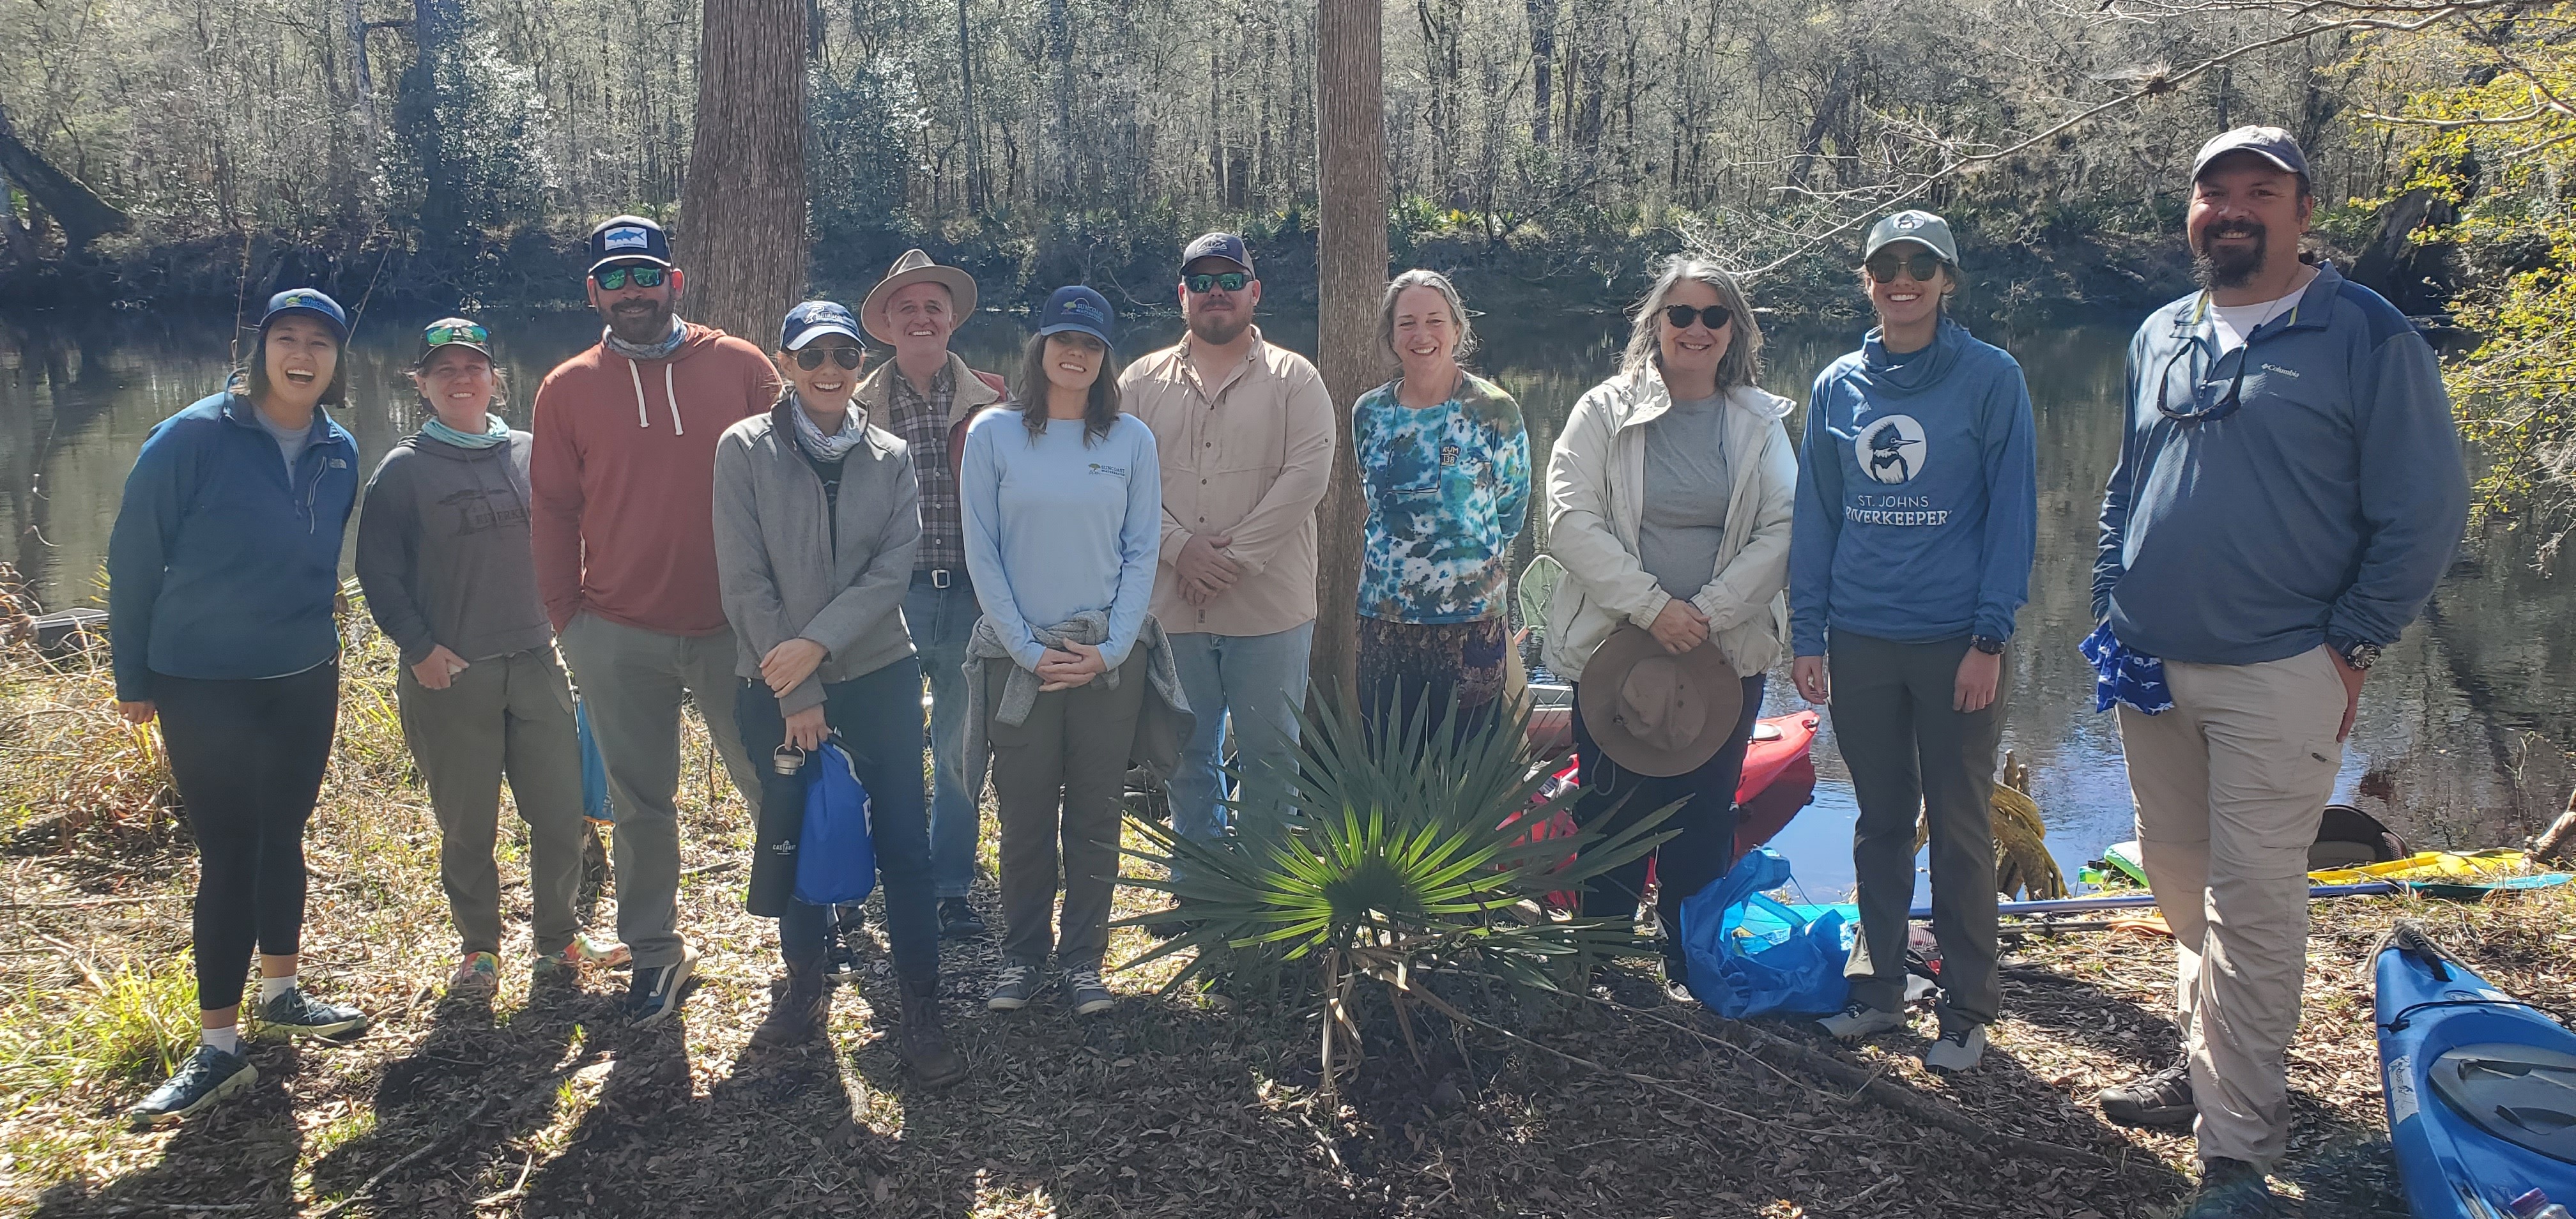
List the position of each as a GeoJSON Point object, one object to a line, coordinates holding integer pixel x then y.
{"type": "Point", "coordinates": [2523, 1094]}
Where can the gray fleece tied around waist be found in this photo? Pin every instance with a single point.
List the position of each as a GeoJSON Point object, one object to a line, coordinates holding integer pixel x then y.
{"type": "Point", "coordinates": [1164, 723]}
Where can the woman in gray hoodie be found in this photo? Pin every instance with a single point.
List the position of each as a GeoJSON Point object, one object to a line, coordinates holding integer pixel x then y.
{"type": "Point", "coordinates": [443, 556]}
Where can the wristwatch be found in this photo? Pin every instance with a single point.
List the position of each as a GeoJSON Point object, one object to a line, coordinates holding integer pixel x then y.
{"type": "Point", "coordinates": [1987, 644]}
{"type": "Point", "coordinates": [2360, 654]}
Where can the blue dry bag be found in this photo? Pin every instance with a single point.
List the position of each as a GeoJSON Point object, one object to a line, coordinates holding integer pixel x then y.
{"type": "Point", "coordinates": [1750, 955]}
{"type": "Point", "coordinates": [835, 861]}
{"type": "Point", "coordinates": [594, 770]}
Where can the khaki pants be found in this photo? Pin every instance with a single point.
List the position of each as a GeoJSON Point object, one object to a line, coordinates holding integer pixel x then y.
{"type": "Point", "coordinates": [507, 715]}
{"type": "Point", "coordinates": [1061, 775]}
{"type": "Point", "coordinates": [633, 680]}
{"type": "Point", "coordinates": [2230, 785]}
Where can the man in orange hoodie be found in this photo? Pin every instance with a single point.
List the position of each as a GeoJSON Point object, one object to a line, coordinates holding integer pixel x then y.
{"type": "Point", "coordinates": [623, 473]}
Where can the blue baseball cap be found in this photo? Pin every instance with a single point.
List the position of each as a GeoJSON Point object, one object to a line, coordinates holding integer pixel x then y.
{"type": "Point", "coordinates": [1217, 245]}
{"type": "Point", "coordinates": [308, 300]}
{"type": "Point", "coordinates": [628, 239]}
{"type": "Point", "coordinates": [2270, 143]}
{"type": "Point", "coordinates": [814, 319]}
{"type": "Point", "coordinates": [1077, 308]}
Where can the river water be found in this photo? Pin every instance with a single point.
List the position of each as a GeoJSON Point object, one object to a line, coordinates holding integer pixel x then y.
{"type": "Point", "coordinates": [2444, 751]}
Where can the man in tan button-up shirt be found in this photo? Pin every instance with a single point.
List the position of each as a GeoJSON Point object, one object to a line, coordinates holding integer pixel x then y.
{"type": "Point", "coordinates": [1246, 432]}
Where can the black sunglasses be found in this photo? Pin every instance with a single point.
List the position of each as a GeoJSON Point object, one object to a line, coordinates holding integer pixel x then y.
{"type": "Point", "coordinates": [2204, 409]}
{"type": "Point", "coordinates": [1715, 317]}
{"type": "Point", "coordinates": [1923, 265]}
{"type": "Point", "coordinates": [846, 355]}
{"type": "Point", "coordinates": [1231, 281]}
{"type": "Point", "coordinates": [614, 278]}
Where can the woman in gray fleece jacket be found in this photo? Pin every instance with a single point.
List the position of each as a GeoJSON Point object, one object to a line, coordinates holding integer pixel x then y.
{"type": "Point", "coordinates": [443, 556]}
{"type": "Point", "coordinates": [817, 519]}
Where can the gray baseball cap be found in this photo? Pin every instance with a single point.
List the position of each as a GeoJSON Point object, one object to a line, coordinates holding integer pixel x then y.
{"type": "Point", "coordinates": [2270, 143]}
{"type": "Point", "coordinates": [1924, 228]}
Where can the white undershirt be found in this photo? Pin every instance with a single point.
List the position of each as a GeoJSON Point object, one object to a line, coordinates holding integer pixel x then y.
{"type": "Point", "coordinates": [2234, 322]}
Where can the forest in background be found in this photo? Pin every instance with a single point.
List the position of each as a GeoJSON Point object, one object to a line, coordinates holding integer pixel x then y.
{"type": "Point", "coordinates": [445, 150]}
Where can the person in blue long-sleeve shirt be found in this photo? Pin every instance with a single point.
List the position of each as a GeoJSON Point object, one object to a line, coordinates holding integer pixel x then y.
{"type": "Point", "coordinates": [1062, 501]}
{"type": "Point", "coordinates": [2289, 490]}
{"type": "Point", "coordinates": [1916, 523]}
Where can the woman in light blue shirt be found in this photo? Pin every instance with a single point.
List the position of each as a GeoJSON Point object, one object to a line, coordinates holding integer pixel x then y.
{"type": "Point", "coordinates": [1062, 501]}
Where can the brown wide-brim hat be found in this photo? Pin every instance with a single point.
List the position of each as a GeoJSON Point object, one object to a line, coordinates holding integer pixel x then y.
{"type": "Point", "coordinates": [1656, 713]}
{"type": "Point", "coordinates": [914, 267]}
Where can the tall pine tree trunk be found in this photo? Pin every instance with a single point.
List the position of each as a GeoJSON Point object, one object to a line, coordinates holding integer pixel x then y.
{"type": "Point", "coordinates": [741, 236]}
{"type": "Point", "coordinates": [1351, 265]}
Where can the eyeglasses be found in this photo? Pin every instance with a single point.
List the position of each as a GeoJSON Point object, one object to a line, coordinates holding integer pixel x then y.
{"type": "Point", "coordinates": [1922, 265]}
{"type": "Point", "coordinates": [1715, 317]}
{"type": "Point", "coordinates": [1231, 281]}
{"type": "Point", "coordinates": [615, 278]}
{"type": "Point", "coordinates": [844, 354]}
{"type": "Point", "coordinates": [2204, 409]}
{"type": "Point", "coordinates": [440, 336]}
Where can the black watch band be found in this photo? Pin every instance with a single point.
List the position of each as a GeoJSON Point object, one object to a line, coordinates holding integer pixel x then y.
{"type": "Point", "coordinates": [1987, 644]}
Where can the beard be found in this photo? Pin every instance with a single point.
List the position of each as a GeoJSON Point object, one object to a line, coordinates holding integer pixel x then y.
{"type": "Point", "coordinates": [1219, 330]}
{"type": "Point", "coordinates": [650, 324]}
{"type": "Point", "coordinates": [2216, 268]}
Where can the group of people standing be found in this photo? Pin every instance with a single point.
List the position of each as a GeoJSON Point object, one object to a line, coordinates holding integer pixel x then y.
{"type": "Point", "coordinates": [1095, 569]}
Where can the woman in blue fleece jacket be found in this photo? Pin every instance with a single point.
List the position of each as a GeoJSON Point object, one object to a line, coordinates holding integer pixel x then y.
{"type": "Point", "coordinates": [1917, 519]}
{"type": "Point", "coordinates": [222, 569]}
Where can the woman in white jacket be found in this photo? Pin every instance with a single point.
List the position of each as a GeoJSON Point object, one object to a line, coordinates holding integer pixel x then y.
{"type": "Point", "coordinates": [1669, 495]}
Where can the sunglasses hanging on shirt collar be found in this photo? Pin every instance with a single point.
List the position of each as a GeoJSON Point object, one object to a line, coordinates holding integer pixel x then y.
{"type": "Point", "coordinates": [2206, 408]}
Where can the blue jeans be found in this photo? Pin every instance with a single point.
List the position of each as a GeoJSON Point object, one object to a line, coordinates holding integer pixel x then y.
{"type": "Point", "coordinates": [1254, 682]}
{"type": "Point", "coordinates": [941, 621]}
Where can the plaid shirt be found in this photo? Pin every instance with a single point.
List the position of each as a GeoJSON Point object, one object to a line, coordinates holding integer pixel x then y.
{"type": "Point", "coordinates": [923, 424]}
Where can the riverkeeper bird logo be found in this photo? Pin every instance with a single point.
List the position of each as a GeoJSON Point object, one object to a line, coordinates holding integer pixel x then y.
{"type": "Point", "coordinates": [1890, 450]}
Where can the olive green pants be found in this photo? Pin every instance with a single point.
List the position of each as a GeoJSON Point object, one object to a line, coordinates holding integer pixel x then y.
{"type": "Point", "coordinates": [509, 715]}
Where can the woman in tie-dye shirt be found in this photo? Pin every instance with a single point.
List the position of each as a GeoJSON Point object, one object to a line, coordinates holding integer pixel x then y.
{"type": "Point", "coordinates": [1445, 464]}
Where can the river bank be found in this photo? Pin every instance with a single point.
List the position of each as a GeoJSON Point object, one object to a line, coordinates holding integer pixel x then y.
{"type": "Point", "coordinates": [2018, 270]}
{"type": "Point", "coordinates": [1618, 1104]}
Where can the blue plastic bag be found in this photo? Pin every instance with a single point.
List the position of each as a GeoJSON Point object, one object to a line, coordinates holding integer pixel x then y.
{"type": "Point", "coordinates": [1750, 955]}
{"type": "Point", "coordinates": [835, 860]}
{"type": "Point", "coordinates": [594, 770]}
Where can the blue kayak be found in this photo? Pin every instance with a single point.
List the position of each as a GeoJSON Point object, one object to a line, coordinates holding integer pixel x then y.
{"type": "Point", "coordinates": [2481, 1087]}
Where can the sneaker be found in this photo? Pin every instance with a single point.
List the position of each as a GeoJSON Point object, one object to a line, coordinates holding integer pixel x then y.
{"type": "Point", "coordinates": [477, 976]}
{"type": "Point", "coordinates": [1013, 988]}
{"type": "Point", "coordinates": [208, 1076]}
{"type": "Point", "coordinates": [2229, 1189]}
{"type": "Point", "coordinates": [2161, 1100]}
{"type": "Point", "coordinates": [1858, 1019]}
{"type": "Point", "coordinates": [1677, 983]}
{"type": "Point", "coordinates": [657, 989]}
{"type": "Point", "coordinates": [1958, 1048]}
{"type": "Point", "coordinates": [587, 949]}
{"type": "Point", "coordinates": [297, 1012]}
{"type": "Point", "coordinates": [1087, 993]}
{"type": "Point", "coordinates": [958, 920]}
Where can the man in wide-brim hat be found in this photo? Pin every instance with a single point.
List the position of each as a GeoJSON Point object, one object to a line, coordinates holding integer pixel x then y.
{"type": "Point", "coordinates": [927, 394]}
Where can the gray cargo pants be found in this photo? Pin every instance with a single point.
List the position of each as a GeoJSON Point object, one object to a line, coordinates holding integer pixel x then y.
{"type": "Point", "coordinates": [508, 715]}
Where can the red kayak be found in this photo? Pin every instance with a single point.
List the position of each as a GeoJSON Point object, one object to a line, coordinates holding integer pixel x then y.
{"type": "Point", "coordinates": [1779, 779]}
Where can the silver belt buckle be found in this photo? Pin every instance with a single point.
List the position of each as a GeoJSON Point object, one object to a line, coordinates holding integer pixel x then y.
{"type": "Point", "coordinates": [939, 577]}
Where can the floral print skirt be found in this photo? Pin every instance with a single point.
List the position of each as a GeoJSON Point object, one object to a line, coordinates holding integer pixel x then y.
{"type": "Point", "coordinates": [1408, 666]}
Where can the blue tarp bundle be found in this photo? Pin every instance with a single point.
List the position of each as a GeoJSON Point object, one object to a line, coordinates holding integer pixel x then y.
{"type": "Point", "coordinates": [1751, 955]}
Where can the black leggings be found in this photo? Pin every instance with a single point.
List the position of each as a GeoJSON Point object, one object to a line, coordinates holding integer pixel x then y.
{"type": "Point", "coordinates": [1684, 865]}
{"type": "Point", "coordinates": [247, 757]}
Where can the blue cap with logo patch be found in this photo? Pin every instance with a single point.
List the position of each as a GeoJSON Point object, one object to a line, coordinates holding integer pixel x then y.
{"type": "Point", "coordinates": [1077, 308]}
{"type": "Point", "coordinates": [814, 319]}
{"type": "Point", "coordinates": [308, 301]}
{"type": "Point", "coordinates": [628, 239]}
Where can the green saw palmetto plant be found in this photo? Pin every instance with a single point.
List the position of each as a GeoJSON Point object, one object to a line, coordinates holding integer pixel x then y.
{"type": "Point", "coordinates": [1382, 857]}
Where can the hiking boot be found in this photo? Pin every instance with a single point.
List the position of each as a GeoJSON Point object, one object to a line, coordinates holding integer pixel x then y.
{"type": "Point", "coordinates": [935, 1063]}
{"type": "Point", "coordinates": [477, 976]}
{"type": "Point", "coordinates": [2229, 1189]}
{"type": "Point", "coordinates": [208, 1076]}
{"type": "Point", "coordinates": [800, 1011]}
{"type": "Point", "coordinates": [1960, 1045]}
{"type": "Point", "coordinates": [2161, 1100]}
{"type": "Point", "coordinates": [657, 989]}
{"type": "Point", "coordinates": [1013, 988]}
{"type": "Point", "coordinates": [1088, 995]}
{"type": "Point", "coordinates": [297, 1012]}
{"type": "Point", "coordinates": [958, 920]}
{"type": "Point", "coordinates": [1858, 1020]}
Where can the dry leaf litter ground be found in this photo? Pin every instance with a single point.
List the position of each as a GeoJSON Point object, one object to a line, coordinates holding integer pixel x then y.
{"type": "Point", "coordinates": [550, 1106]}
